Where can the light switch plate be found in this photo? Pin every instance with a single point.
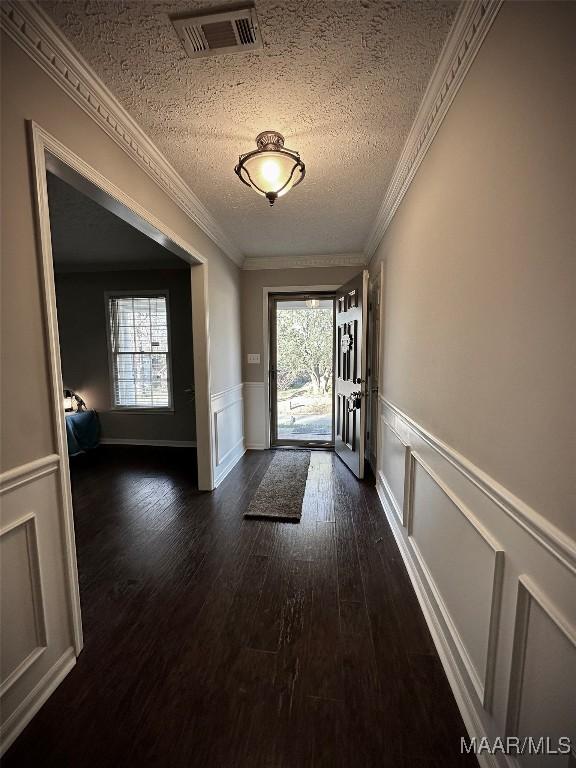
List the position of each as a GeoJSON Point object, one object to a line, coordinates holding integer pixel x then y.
{"type": "Point", "coordinates": [253, 358]}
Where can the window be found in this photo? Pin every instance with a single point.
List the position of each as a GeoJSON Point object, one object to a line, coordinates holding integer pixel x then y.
{"type": "Point", "coordinates": [139, 350]}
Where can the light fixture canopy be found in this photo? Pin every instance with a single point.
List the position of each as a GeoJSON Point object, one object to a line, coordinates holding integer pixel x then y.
{"type": "Point", "coordinates": [271, 170]}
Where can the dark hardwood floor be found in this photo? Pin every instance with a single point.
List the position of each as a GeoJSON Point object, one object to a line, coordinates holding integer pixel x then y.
{"type": "Point", "coordinates": [215, 641]}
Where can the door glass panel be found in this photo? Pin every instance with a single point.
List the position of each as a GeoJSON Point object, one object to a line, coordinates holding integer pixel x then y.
{"type": "Point", "coordinates": [304, 353]}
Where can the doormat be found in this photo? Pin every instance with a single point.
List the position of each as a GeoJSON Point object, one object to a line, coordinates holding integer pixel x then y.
{"type": "Point", "coordinates": [281, 491]}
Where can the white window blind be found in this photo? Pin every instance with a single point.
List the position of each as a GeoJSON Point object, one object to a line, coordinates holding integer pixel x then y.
{"type": "Point", "coordinates": [139, 351]}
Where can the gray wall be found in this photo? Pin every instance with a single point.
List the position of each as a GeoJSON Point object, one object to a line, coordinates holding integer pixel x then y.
{"type": "Point", "coordinates": [479, 316]}
{"type": "Point", "coordinates": [29, 93]}
{"type": "Point", "coordinates": [253, 281]}
{"type": "Point", "coordinates": [84, 350]}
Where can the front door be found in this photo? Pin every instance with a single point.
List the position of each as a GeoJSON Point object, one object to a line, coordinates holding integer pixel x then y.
{"type": "Point", "coordinates": [350, 374]}
{"type": "Point", "coordinates": [301, 369]}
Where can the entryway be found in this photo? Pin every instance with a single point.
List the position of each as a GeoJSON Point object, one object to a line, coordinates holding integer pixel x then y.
{"type": "Point", "coordinates": [318, 372]}
{"type": "Point", "coordinates": [301, 369]}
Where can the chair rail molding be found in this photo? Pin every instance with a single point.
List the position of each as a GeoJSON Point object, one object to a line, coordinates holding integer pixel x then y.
{"type": "Point", "coordinates": [471, 25]}
{"type": "Point", "coordinates": [33, 30]}
{"type": "Point", "coordinates": [304, 262]}
{"type": "Point", "coordinates": [27, 473]}
{"type": "Point", "coordinates": [546, 533]}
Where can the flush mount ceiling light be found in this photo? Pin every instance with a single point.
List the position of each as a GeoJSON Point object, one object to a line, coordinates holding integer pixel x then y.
{"type": "Point", "coordinates": [271, 170]}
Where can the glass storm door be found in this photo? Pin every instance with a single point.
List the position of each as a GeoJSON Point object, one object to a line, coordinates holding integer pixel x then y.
{"type": "Point", "coordinates": [301, 369]}
{"type": "Point", "coordinates": [350, 378]}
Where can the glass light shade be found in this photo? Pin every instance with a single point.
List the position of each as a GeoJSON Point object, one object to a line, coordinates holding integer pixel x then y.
{"type": "Point", "coordinates": [269, 172]}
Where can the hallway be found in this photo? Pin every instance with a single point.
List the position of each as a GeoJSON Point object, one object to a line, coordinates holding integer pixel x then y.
{"type": "Point", "coordinates": [211, 640]}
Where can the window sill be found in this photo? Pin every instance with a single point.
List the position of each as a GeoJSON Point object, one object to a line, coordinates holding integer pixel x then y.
{"type": "Point", "coordinates": [143, 411]}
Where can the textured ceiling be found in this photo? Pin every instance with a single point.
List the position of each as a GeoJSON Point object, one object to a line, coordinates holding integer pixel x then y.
{"type": "Point", "coordinates": [87, 236]}
{"type": "Point", "coordinates": [341, 79]}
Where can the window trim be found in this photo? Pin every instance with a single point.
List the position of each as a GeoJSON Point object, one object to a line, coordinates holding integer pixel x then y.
{"type": "Point", "coordinates": [135, 409]}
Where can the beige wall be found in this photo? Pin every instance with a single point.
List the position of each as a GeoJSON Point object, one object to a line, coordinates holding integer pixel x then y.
{"type": "Point", "coordinates": [253, 281]}
{"type": "Point", "coordinates": [82, 322]}
{"type": "Point", "coordinates": [479, 320]}
{"type": "Point", "coordinates": [28, 93]}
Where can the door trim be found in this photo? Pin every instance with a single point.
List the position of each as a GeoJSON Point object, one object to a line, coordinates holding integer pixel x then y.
{"type": "Point", "coordinates": [266, 291]}
{"type": "Point", "coordinates": [46, 152]}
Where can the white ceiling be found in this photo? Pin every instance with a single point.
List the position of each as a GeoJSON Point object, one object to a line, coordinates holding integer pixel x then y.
{"type": "Point", "coordinates": [85, 236]}
{"type": "Point", "coordinates": [341, 79]}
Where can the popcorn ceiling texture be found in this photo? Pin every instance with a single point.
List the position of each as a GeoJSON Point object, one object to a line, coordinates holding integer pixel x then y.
{"type": "Point", "coordinates": [342, 80]}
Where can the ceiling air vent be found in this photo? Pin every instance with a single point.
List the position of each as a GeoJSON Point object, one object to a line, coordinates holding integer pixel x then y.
{"type": "Point", "coordinates": [215, 33]}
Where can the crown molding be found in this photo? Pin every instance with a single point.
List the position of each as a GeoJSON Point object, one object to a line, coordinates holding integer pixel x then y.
{"type": "Point", "coordinates": [305, 262]}
{"type": "Point", "coordinates": [31, 28]}
{"type": "Point", "coordinates": [473, 20]}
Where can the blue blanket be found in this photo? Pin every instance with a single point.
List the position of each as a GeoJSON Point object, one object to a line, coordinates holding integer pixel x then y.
{"type": "Point", "coordinates": [82, 431]}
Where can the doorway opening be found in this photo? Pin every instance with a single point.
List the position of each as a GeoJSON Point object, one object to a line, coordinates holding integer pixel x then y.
{"type": "Point", "coordinates": [302, 369]}
{"type": "Point", "coordinates": [53, 163]}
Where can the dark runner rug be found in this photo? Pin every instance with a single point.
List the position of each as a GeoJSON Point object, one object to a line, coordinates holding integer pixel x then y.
{"type": "Point", "coordinates": [281, 491]}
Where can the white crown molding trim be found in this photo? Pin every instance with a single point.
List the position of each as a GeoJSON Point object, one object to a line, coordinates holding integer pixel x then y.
{"type": "Point", "coordinates": [304, 262]}
{"type": "Point", "coordinates": [471, 25]}
{"type": "Point", "coordinates": [32, 29]}
{"type": "Point", "coordinates": [562, 546]}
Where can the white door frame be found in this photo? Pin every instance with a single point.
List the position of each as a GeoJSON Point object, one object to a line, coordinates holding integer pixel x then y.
{"type": "Point", "coordinates": [266, 291]}
{"type": "Point", "coordinates": [46, 150]}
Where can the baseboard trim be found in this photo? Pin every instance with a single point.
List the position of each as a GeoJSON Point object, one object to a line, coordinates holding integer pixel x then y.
{"type": "Point", "coordinates": [256, 446]}
{"type": "Point", "coordinates": [464, 700]}
{"type": "Point", "coordinates": [26, 710]}
{"type": "Point", "coordinates": [135, 441]}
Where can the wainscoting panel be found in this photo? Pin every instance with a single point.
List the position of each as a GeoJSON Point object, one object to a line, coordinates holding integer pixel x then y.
{"type": "Point", "coordinates": [228, 430]}
{"type": "Point", "coordinates": [542, 700]}
{"type": "Point", "coordinates": [255, 407]}
{"type": "Point", "coordinates": [496, 582]}
{"type": "Point", "coordinates": [463, 567]}
{"type": "Point", "coordinates": [395, 470]}
{"type": "Point", "coordinates": [36, 629]}
{"type": "Point", "coordinates": [24, 636]}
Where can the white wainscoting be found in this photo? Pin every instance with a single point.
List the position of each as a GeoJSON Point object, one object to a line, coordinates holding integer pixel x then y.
{"type": "Point", "coordinates": [255, 409]}
{"type": "Point", "coordinates": [227, 420]}
{"type": "Point", "coordinates": [36, 649]}
{"type": "Point", "coordinates": [496, 582]}
{"type": "Point", "coordinates": [542, 700]}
